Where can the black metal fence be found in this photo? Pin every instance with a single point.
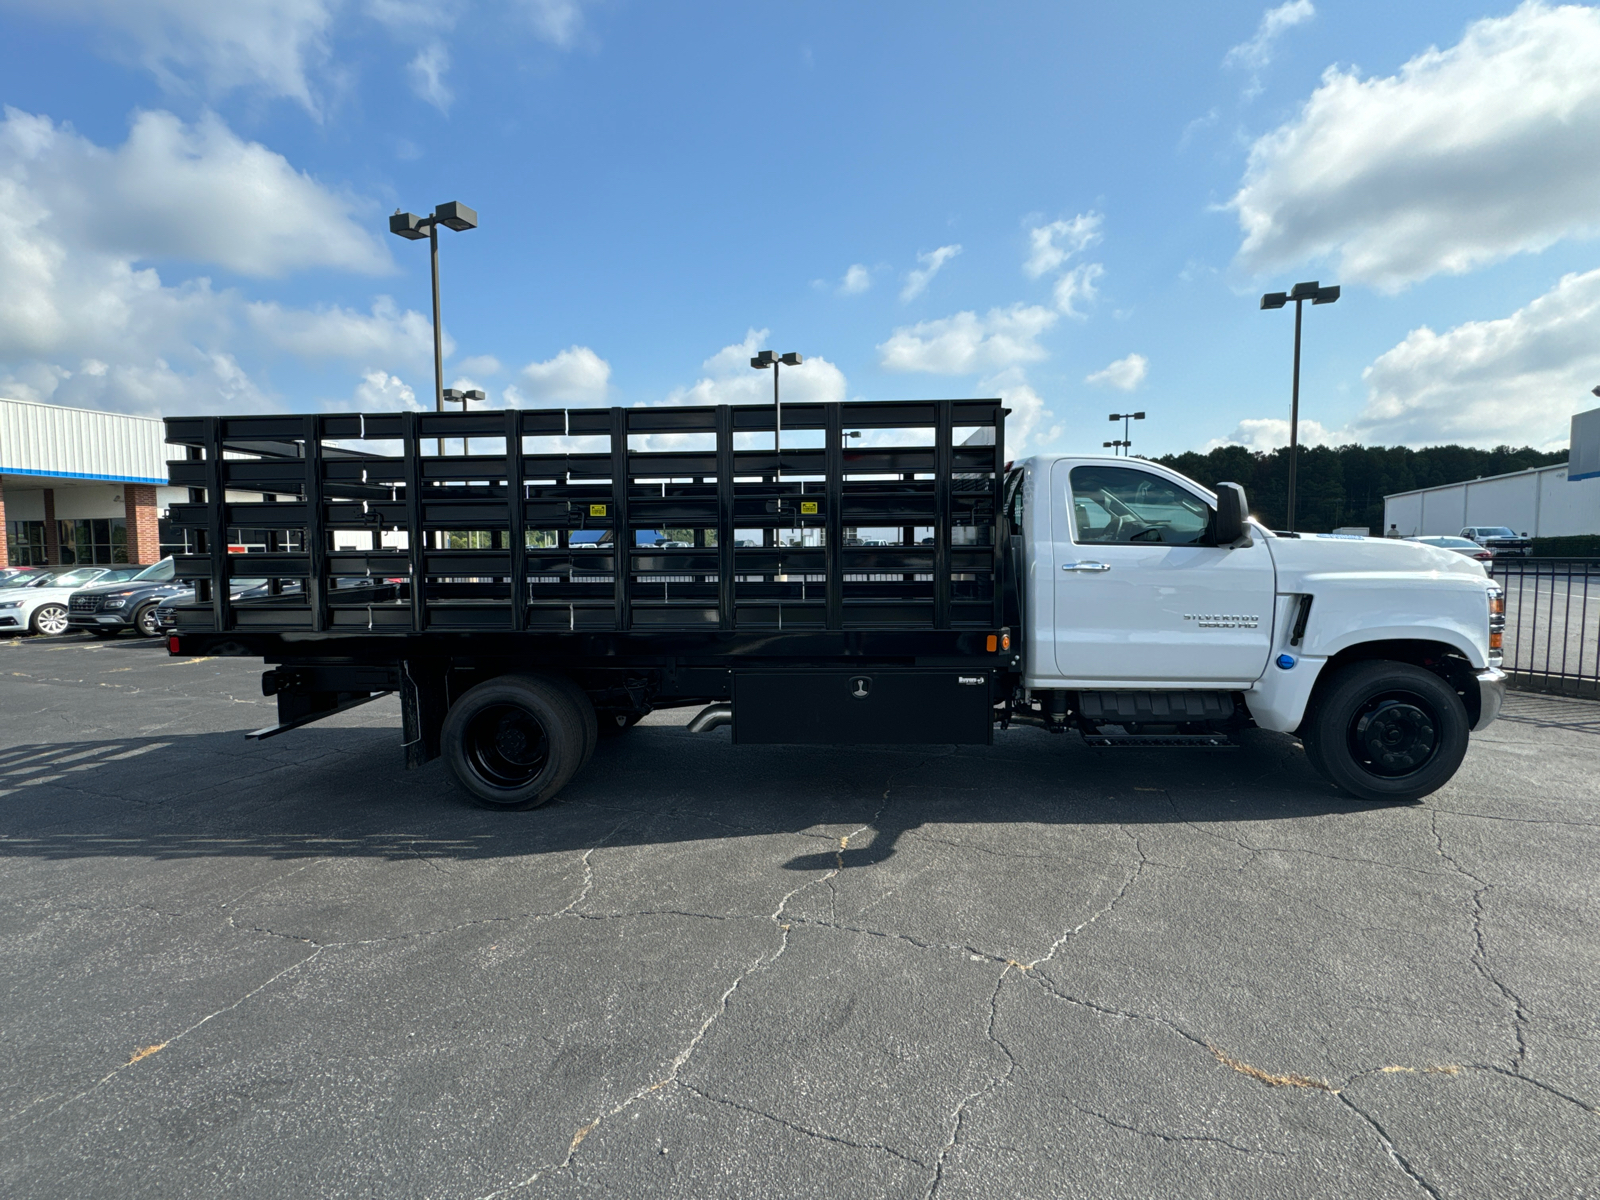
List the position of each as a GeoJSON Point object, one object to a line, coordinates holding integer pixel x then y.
{"type": "Point", "coordinates": [1552, 637]}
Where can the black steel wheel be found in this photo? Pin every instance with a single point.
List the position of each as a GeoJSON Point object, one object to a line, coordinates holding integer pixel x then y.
{"type": "Point", "coordinates": [1386, 731]}
{"type": "Point", "coordinates": [514, 742]}
{"type": "Point", "coordinates": [145, 621]}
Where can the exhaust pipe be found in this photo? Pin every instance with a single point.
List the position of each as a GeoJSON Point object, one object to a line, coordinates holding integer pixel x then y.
{"type": "Point", "coordinates": [711, 717]}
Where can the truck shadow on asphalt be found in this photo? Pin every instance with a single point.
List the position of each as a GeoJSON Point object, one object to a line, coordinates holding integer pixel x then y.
{"type": "Point", "coordinates": [342, 792]}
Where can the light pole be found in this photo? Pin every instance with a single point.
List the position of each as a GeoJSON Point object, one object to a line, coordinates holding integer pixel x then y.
{"type": "Point", "coordinates": [1125, 418]}
{"type": "Point", "coordinates": [457, 396]}
{"type": "Point", "coordinates": [454, 215]}
{"type": "Point", "coordinates": [1300, 293]}
{"type": "Point", "coordinates": [1115, 444]}
{"type": "Point", "coordinates": [777, 362]}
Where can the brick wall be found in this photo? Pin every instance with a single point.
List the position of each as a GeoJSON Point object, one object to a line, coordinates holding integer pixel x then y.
{"type": "Point", "coordinates": [144, 534]}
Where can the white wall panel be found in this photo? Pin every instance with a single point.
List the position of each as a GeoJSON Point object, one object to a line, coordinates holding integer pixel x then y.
{"type": "Point", "coordinates": [75, 443]}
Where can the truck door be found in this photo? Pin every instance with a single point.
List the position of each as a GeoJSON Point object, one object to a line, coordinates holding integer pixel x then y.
{"type": "Point", "coordinates": [1140, 597]}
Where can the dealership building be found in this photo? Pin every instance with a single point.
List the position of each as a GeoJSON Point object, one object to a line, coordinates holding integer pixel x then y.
{"type": "Point", "coordinates": [79, 487]}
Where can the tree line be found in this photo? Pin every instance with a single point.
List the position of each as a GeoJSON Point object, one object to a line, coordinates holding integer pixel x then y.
{"type": "Point", "coordinates": [1345, 485]}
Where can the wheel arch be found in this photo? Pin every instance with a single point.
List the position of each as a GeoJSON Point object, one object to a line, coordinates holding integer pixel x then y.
{"type": "Point", "coordinates": [1443, 659]}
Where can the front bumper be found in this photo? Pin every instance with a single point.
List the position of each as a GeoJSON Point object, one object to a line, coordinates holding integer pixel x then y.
{"type": "Point", "coordinates": [110, 620]}
{"type": "Point", "coordinates": [1491, 695]}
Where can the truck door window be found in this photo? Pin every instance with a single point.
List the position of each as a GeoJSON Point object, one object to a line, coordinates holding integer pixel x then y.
{"type": "Point", "coordinates": [1122, 505]}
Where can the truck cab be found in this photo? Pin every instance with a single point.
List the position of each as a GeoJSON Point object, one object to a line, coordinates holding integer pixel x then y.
{"type": "Point", "coordinates": [1146, 597]}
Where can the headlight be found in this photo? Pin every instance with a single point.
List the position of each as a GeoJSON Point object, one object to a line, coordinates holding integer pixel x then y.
{"type": "Point", "coordinates": [10, 603]}
{"type": "Point", "coordinates": [115, 602]}
{"type": "Point", "coordinates": [1497, 623]}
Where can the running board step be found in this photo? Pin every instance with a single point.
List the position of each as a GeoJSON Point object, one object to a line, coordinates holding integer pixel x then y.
{"type": "Point", "coordinates": [1161, 741]}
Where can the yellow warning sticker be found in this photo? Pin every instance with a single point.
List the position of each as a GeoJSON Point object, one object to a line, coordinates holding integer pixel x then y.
{"type": "Point", "coordinates": [808, 508]}
{"type": "Point", "coordinates": [597, 510]}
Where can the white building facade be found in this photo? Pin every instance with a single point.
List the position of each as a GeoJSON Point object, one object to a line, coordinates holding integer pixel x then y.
{"type": "Point", "coordinates": [1541, 502]}
{"type": "Point", "coordinates": [80, 487]}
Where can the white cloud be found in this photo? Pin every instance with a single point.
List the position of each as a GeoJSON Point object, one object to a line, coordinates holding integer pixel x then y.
{"type": "Point", "coordinates": [856, 280]}
{"type": "Point", "coordinates": [385, 335]}
{"type": "Point", "coordinates": [1515, 380]}
{"type": "Point", "coordinates": [213, 46]}
{"type": "Point", "coordinates": [575, 376]}
{"type": "Point", "coordinates": [917, 281]}
{"type": "Point", "coordinates": [1027, 427]}
{"type": "Point", "coordinates": [1125, 374]}
{"type": "Point", "coordinates": [1051, 245]}
{"type": "Point", "coordinates": [966, 342]}
{"type": "Point", "coordinates": [1257, 52]}
{"type": "Point", "coordinates": [1269, 433]}
{"type": "Point", "coordinates": [481, 364]}
{"type": "Point", "coordinates": [83, 322]}
{"type": "Point", "coordinates": [730, 379]}
{"type": "Point", "coordinates": [1076, 287]}
{"type": "Point", "coordinates": [195, 192]}
{"type": "Point", "coordinates": [383, 392]}
{"type": "Point", "coordinates": [556, 21]}
{"type": "Point", "coordinates": [1467, 156]}
{"type": "Point", "coordinates": [427, 71]}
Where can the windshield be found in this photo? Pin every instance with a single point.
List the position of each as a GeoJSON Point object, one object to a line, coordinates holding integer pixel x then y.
{"type": "Point", "coordinates": [160, 572]}
{"type": "Point", "coordinates": [75, 578]}
{"type": "Point", "coordinates": [1494, 531]}
{"type": "Point", "coordinates": [22, 580]}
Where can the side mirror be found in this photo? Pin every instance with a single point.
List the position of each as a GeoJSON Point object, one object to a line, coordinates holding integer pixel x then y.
{"type": "Point", "coordinates": [1231, 509]}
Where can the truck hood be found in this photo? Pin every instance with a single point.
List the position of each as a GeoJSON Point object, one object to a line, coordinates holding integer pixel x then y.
{"type": "Point", "coordinates": [1301, 561]}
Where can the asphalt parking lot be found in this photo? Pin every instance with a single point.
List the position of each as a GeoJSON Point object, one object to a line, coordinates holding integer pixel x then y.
{"type": "Point", "coordinates": [292, 968]}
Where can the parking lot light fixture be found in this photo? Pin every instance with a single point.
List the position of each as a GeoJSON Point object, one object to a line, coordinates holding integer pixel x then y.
{"type": "Point", "coordinates": [763, 360]}
{"type": "Point", "coordinates": [1299, 294]}
{"type": "Point", "coordinates": [1126, 435]}
{"type": "Point", "coordinates": [408, 225]}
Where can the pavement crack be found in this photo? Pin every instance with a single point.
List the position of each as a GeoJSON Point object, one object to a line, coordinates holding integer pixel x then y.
{"type": "Point", "coordinates": [1480, 951]}
{"type": "Point", "coordinates": [1389, 1147]}
{"type": "Point", "coordinates": [150, 1051]}
{"type": "Point", "coordinates": [1175, 1137]}
{"type": "Point", "coordinates": [958, 1117]}
{"type": "Point", "coordinates": [1138, 869]}
{"type": "Point", "coordinates": [801, 1129]}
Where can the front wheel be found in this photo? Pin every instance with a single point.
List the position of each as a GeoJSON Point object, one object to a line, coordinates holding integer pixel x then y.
{"type": "Point", "coordinates": [145, 622]}
{"type": "Point", "coordinates": [1387, 731]}
{"type": "Point", "coordinates": [50, 620]}
{"type": "Point", "coordinates": [514, 742]}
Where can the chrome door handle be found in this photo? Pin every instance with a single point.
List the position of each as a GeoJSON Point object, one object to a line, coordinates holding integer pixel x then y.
{"type": "Point", "coordinates": [1086, 566]}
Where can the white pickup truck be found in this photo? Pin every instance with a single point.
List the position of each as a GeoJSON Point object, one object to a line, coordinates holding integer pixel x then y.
{"type": "Point", "coordinates": [1380, 655]}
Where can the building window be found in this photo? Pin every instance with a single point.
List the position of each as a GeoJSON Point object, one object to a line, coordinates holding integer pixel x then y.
{"type": "Point", "coordinates": [96, 541]}
{"type": "Point", "coordinates": [25, 543]}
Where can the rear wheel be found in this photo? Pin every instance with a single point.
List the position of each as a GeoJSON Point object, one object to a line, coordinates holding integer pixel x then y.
{"type": "Point", "coordinates": [514, 742]}
{"type": "Point", "coordinates": [1387, 731]}
{"type": "Point", "coordinates": [50, 620]}
{"type": "Point", "coordinates": [586, 717]}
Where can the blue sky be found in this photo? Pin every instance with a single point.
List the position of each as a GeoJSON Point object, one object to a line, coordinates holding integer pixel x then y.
{"type": "Point", "coordinates": [1074, 206]}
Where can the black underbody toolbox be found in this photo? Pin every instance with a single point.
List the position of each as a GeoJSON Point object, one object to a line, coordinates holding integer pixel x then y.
{"type": "Point", "coordinates": [859, 706]}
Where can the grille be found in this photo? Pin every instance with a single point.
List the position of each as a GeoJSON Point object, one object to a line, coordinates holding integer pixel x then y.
{"type": "Point", "coordinates": [85, 604]}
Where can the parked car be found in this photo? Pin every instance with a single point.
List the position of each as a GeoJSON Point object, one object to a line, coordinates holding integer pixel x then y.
{"type": "Point", "coordinates": [111, 606]}
{"type": "Point", "coordinates": [17, 576]}
{"type": "Point", "coordinates": [1500, 539]}
{"type": "Point", "coordinates": [39, 604]}
{"type": "Point", "coordinates": [1460, 545]}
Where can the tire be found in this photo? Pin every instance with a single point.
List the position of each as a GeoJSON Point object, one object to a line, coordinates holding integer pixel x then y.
{"type": "Point", "coordinates": [1387, 731]}
{"type": "Point", "coordinates": [49, 620]}
{"type": "Point", "coordinates": [145, 621]}
{"type": "Point", "coordinates": [581, 702]}
{"type": "Point", "coordinates": [514, 742]}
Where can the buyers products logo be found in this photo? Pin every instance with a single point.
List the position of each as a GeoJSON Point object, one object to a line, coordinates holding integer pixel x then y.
{"type": "Point", "coordinates": [1223, 620]}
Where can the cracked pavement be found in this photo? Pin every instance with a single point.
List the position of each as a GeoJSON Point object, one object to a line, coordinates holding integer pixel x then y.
{"type": "Point", "coordinates": [293, 968]}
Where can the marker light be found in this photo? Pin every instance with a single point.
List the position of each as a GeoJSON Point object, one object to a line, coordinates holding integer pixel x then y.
{"type": "Point", "coordinates": [1286, 662]}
